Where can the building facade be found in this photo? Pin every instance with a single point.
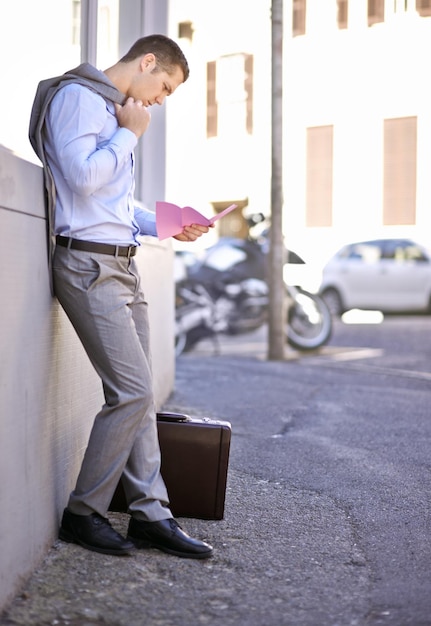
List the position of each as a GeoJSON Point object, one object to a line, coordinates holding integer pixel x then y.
{"type": "Point", "coordinates": [356, 117]}
{"type": "Point", "coordinates": [358, 122]}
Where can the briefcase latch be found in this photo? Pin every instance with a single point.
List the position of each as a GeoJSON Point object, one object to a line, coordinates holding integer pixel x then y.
{"type": "Point", "coordinates": [167, 416]}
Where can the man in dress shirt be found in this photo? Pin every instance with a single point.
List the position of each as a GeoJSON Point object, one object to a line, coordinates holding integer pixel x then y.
{"type": "Point", "coordinates": [84, 127]}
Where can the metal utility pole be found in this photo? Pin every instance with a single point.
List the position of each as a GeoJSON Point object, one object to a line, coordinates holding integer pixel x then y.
{"type": "Point", "coordinates": [277, 301]}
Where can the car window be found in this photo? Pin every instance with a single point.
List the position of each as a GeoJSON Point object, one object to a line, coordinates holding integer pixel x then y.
{"type": "Point", "coordinates": [402, 251]}
{"type": "Point", "coordinates": [367, 252]}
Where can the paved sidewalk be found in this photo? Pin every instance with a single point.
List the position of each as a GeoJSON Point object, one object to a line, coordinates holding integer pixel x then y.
{"type": "Point", "coordinates": [291, 550]}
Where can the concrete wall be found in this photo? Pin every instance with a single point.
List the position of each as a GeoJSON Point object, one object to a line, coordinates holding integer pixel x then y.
{"type": "Point", "coordinates": [49, 392]}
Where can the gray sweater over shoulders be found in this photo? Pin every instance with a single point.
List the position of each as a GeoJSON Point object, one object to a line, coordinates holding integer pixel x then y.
{"type": "Point", "coordinates": [87, 76]}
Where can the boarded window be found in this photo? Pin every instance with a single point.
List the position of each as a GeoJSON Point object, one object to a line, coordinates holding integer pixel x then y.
{"type": "Point", "coordinates": [342, 13]}
{"type": "Point", "coordinates": [376, 11]}
{"type": "Point", "coordinates": [319, 176]}
{"type": "Point", "coordinates": [211, 100]}
{"type": "Point", "coordinates": [299, 8]}
{"type": "Point", "coordinates": [423, 7]}
{"type": "Point", "coordinates": [185, 30]}
{"type": "Point", "coordinates": [248, 84]}
{"type": "Point", "coordinates": [399, 180]}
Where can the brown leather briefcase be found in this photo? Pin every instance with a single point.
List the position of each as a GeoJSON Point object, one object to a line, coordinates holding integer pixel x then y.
{"type": "Point", "coordinates": [195, 457]}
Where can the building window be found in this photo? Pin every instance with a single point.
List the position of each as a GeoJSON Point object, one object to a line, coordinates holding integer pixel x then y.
{"type": "Point", "coordinates": [319, 176]}
{"type": "Point", "coordinates": [299, 8]}
{"type": "Point", "coordinates": [185, 30]}
{"type": "Point", "coordinates": [423, 7]}
{"type": "Point", "coordinates": [107, 32]}
{"type": "Point", "coordinates": [376, 11]}
{"type": "Point", "coordinates": [342, 13]}
{"type": "Point", "coordinates": [230, 95]}
{"type": "Point", "coordinates": [399, 179]}
{"type": "Point", "coordinates": [76, 22]}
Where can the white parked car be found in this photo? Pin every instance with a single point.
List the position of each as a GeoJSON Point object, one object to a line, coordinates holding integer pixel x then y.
{"type": "Point", "coordinates": [389, 275]}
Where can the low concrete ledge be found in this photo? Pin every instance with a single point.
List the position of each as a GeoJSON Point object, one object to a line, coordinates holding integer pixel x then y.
{"type": "Point", "coordinates": [49, 390]}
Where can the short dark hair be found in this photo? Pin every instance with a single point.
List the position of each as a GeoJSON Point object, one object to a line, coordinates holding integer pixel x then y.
{"type": "Point", "coordinates": [168, 53]}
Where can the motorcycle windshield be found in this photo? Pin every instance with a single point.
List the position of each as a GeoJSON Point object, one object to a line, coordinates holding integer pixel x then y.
{"type": "Point", "coordinates": [224, 257]}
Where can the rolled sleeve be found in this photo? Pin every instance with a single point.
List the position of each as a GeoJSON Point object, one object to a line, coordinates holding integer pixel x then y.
{"type": "Point", "coordinates": [146, 221]}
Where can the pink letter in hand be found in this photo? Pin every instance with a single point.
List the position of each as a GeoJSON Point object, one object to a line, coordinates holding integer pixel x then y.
{"type": "Point", "coordinates": [171, 219]}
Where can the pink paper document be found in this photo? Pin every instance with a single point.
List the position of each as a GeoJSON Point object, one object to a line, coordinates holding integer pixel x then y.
{"type": "Point", "coordinates": [171, 219]}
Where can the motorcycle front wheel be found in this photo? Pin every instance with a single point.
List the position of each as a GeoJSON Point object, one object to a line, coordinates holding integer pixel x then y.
{"type": "Point", "coordinates": [309, 320]}
{"type": "Point", "coordinates": [185, 341]}
{"type": "Point", "coordinates": [180, 343]}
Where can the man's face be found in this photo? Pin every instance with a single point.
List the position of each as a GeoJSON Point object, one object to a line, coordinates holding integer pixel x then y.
{"type": "Point", "coordinates": [152, 85]}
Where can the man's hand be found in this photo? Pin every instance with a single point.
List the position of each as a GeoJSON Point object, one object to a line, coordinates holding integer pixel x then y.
{"type": "Point", "coordinates": [192, 232]}
{"type": "Point", "coordinates": [134, 116]}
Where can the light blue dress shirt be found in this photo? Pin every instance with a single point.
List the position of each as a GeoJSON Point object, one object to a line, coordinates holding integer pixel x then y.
{"type": "Point", "coordinates": [92, 161]}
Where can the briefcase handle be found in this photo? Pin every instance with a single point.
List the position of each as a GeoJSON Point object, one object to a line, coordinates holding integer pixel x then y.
{"type": "Point", "coordinates": [167, 416]}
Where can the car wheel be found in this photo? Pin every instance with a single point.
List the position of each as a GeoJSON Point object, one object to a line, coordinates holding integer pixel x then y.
{"type": "Point", "coordinates": [333, 302]}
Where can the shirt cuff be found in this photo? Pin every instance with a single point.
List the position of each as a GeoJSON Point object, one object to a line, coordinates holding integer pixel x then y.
{"type": "Point", "coordinates": [146, 221]}
{"type": "Point", "coordinates": [124, 141]}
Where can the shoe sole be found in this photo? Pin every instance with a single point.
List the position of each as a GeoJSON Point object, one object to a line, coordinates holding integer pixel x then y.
{"type": "Point", "coordinates": [144, 544]}
{"type": "Point", "coordinates": [68, 537]}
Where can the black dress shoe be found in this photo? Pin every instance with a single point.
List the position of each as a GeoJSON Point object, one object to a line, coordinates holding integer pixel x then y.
{"type": "Point", "coordinates": [168, 536]}
{"type": "Point", "coordinates": [93, 532]}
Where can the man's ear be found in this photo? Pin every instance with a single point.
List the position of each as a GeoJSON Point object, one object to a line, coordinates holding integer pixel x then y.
{"type": "Point", "coordinates": [148, 62]}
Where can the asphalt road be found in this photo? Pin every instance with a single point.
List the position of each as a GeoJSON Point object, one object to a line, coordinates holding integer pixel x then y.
{"type": "Point", "coordinates": [327, 519]}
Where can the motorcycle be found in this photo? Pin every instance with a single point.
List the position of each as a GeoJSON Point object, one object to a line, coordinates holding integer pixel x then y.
{"type": "Point", "coordinates": [226, 292]}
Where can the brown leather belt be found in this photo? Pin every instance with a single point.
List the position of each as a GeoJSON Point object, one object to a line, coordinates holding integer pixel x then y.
{"type": "Point", "coordinates": [92, 246]}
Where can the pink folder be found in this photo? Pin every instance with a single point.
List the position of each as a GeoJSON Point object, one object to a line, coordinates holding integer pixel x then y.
{"type": "Point", "coordinates": [171, 219]}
